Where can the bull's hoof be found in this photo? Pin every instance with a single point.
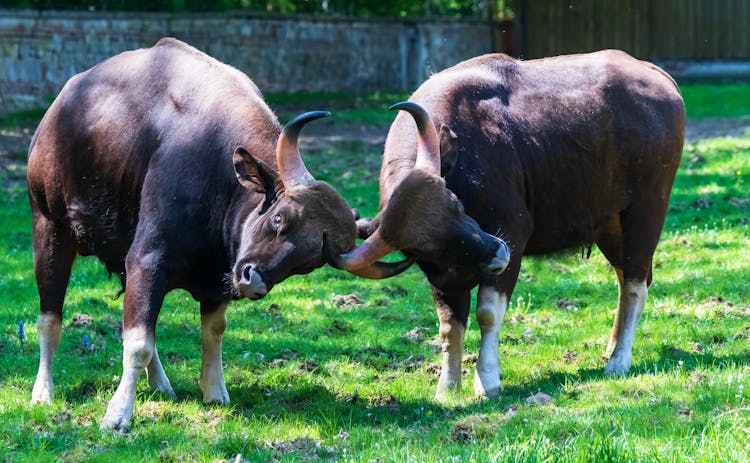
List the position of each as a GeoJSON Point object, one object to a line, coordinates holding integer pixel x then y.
{"type": "Point", "coordinates": [41, 393]}
{"type": "Point", "coordinates": [216, 398]}
{"type": "Point", "coordinates": [41, 398]}
{"type": "Point", "coordinates": [446, 396]}
{"type": "Point", "coordinates": [487, 386]}
{"type": "Point", "coordinates": [119, 413]}
{"type": "Point", "coordinates": [117, 424]}
{"type": "Point", "coordinates": [162, 385]}
{"type": "Point", "coordinates": [447, 392]}
{"type": "Point", "coordinates": [618, 365]}
{"type": "Point", "coordinates": [487, 394]}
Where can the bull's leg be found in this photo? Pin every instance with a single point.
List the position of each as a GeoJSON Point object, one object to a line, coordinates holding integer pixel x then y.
{"type": "Point", "coordinates": [144, 294]}
{"type": "Point", "coordinates": [628, 241]}
{"type": "Point", "coordinates": [213, 323]}
{"type": "Point", "coordinates": [491, 307]}
{"type": "Point", "coordinates": [452, 312]}
{"type": "Point", "coordinates": [54, 253]}
{"type": "Point", "coordinates": [630, 305]}
{"type": "Point", "coordinates": [157, 379]}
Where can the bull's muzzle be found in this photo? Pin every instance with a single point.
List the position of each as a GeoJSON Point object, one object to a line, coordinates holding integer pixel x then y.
{"type": "Point", "coordinates": [250, 283]}
{"type": "Point", "coordinates": [499, 262]}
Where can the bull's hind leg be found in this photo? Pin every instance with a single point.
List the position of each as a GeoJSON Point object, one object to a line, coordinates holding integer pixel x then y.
{"type": "Point", "coordinates": [54, 252]}
{"type": "Point", "coordinates": [630, 305]}
{"type": "Point", "coordinates": [157, 379]}
{"type": "Point", "coordinates": [213, 324]}
{"type": "Point", "coordinates": [144, 294]}
{"type": "Point", "coordinates": [628, 242]}
{"type": "Point", "coordinates": [452, 312]}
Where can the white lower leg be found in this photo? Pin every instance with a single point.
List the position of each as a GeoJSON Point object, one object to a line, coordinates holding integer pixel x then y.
{"type": "Point", "coordinates": [212, 372]}
{"type": "Point", "coordinates": [451, 334]}
{"type": "Point", "coordinates": [157, 379]}
{"type": "Point", "coordinates": [616, 323]}
{"type": "Point", "coordinates": [138, 347]}
{"type": "Point", "coordinates": [48, 328]}
{"type": "Point", "coordinates": [630, 307]}
{"type": "Point", "coordinates": [491, 307]}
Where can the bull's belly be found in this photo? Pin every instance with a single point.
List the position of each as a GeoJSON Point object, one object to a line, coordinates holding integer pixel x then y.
{"type": "Point", "coordinates": [547, 239]}
{"type": "Point", "coordinates": [102, 230]}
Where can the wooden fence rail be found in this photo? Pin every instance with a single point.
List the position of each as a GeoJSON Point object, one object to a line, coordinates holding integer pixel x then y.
{"type": "Point", "coordinates": [649, 29]}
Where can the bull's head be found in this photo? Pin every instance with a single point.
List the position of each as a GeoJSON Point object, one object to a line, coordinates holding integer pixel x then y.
{"type": "Point", "coordinates": [424, 219]}
{"type": "Point", "coordinates": [283, 235]}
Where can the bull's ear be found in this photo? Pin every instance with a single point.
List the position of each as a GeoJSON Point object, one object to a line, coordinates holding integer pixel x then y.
{"type": "Point", "coordinates": [448, 151]}
{"type": "Point", "coordinates": [252, 173]}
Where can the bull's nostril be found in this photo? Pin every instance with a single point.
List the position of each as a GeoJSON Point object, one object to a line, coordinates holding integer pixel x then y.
{"type": "Point", "coordinates": [247, 272]}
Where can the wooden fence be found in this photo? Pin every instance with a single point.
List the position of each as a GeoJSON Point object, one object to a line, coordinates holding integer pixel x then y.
{"type": "Point", "coordinates": [648, 29]}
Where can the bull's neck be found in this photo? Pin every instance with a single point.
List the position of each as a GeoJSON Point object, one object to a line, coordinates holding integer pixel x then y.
{"type": "Point", "coordinates": [396, 166]}
{"type": "Point", "coordinates": [243, 203]}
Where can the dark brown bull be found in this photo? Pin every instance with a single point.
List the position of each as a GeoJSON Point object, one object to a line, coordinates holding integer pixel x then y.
{"type": "Point", "coordinates": [548, 154]}
{"type": "Point", "coordinates": [168, 166]}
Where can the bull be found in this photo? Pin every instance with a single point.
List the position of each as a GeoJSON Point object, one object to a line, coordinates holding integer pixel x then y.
{"type": "Point", "coordinates": [510, 158]}
{"type": "Point", "coordinates": [169, 167]}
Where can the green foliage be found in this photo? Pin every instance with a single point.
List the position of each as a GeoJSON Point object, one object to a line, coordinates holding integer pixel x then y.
{"type": "Point", "coordinates": [316, 377]}
{"type": "Point", "coordinates": [354, 8]}
{"type": "Point", "coordinates": [23, 118]}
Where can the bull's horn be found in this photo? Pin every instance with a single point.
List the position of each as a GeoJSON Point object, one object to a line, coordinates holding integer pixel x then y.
{"type": "Point", "coordinates": [428, 142]}
{"type": "Point", "coordinates": [291, 168]}
{"type": "Point", "coordinates": [363, 260]}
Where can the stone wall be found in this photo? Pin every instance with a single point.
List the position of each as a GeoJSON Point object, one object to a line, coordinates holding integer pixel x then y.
{"type": "Point", "coordinates": [40, 51]}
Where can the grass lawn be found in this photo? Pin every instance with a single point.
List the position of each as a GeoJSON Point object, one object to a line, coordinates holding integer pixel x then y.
{"type": "Point", "coordinates": [315, 376]}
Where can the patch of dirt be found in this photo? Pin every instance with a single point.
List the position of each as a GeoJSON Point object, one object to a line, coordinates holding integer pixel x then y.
{"type": "Point", "coordinates": [306, 446]}
{"type": "Point", "coordinates": [351, 136]}
{"type": "Point", "coordinates": [391, 403]}
{"type": "Point", "coordinates": [699, 129]}
{"type": "Point", "coordinates": [540, 398]}
{"type": "Point", "coordinates": [347, 301]}
{"type": "Point", "coordinates": [81, 319]}
{"type": "Point", "coordinates": [416, 335]}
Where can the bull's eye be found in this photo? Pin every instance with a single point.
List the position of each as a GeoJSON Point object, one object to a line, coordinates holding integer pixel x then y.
{"type": "Point", "coordinates": [276, 222]}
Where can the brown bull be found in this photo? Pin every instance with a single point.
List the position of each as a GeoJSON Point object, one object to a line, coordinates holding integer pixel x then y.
{"type": "Point", "coordinates": [168, 166]}
{"type": "Point", "coordinates": [547, 154]}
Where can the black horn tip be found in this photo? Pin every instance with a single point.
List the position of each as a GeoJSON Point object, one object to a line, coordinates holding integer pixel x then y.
{"type": "Point", "coordinates": [407, 106]}
{"type": "Point", "coordinates": [293, 127]}
{"type": "Point", "coordinates": [420, 115]}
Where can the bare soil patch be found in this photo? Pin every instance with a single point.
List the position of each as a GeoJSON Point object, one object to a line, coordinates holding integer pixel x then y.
{"type": "Point", "coordinates": [325, 135]}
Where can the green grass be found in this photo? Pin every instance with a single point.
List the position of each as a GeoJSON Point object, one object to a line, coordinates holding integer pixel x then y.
{"type": "Point", "coordinates": [365, 108]}
{"type": "Point", "coordinates": [708, 100]}
{"type": "Point", "coordinates": [312, 381]}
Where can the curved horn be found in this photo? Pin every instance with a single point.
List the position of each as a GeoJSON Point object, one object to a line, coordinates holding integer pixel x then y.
{"type": "Point", "coordinates": [428, 146]}
{"type": "Point", "coordinates": [363, 260]}
{"type": "Point", "coordinates": [291, 168]}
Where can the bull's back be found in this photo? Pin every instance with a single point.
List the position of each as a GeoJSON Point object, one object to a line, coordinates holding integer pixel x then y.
{"type": "Point", "coordinates": [598, 132]}
{"type": "Point", "coordinates": [564, 140]}
{"type": "Point", "coordinates": [110, 125]}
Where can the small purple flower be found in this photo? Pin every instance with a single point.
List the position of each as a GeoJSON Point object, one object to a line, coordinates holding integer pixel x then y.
{"type": "Point", "coordinates": [85, 341]}
{"type": "Point", "coordinates": [21, 333]}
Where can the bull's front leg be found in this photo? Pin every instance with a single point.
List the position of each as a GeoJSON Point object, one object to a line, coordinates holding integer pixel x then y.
{"type": "Point", "coordinates": [213, 324]}
{"type": "Point", "coordinates": [453, 312]}
{"type": "Point", "coordinates": [491, 307]}
{"type": "Point", "coordinates": [144, 294]}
